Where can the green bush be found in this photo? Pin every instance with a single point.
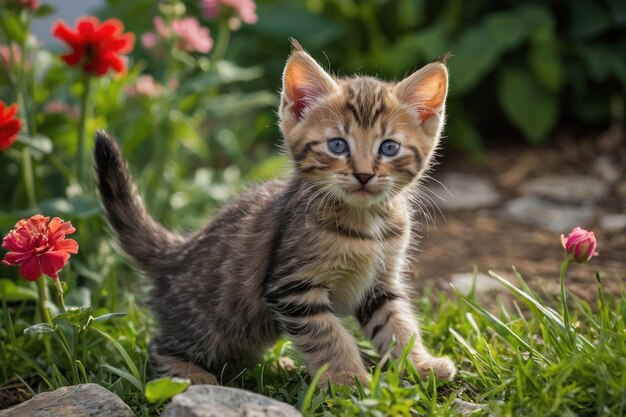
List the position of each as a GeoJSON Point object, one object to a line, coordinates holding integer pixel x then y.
{"type": "Point", "coordinates": [520, 64]}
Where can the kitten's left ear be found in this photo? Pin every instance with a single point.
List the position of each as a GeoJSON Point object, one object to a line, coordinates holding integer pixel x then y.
{"type": "Point", "coordinates": [425, 91]}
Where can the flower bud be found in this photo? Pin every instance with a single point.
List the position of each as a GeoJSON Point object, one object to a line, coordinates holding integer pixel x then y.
{"type": "Point", "coordinates": [580, 245]}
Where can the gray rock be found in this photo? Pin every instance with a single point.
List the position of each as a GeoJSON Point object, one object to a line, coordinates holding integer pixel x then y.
{"type": "Point", "coordinates": [613, 222]}
{"type": "Point", "coordinates": [216, 401]}
{"type": "Point", "coordinates": [484, 283]}
{"type": "Point", "coordinates": [607, 169]}
{"type": "Point", "coordinates": [464, 192]}
{"type": "Point", "coordinates": [85, 400]}
{"type": "Point", "coordinates": [575, 189]}
{"type": "Point", "coordinates": [547, 214]}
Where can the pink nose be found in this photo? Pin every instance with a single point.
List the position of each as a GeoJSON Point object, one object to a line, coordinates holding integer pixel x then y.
{"type": "Point", "coordinates": [363, 178]}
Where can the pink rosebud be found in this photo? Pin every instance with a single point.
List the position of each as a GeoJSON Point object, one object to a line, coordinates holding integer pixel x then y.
{"type": "Point", "coordinates": [580, 245]}
{"type": "Point", "coordinates": [145, 86]}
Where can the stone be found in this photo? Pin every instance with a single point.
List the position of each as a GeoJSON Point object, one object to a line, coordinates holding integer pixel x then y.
{"type": "Point", "coordinates": [613, 222]}
{"type": "Point", "coordinates": [607, 169]}
{"type": "Point", "coordinates": [217, 401]}
{"type": "Point", "coordinates": [484, 283]}
{"type": "Point", "coordinates": [465, 408]}
{"type": "Point", "coordinates": [573, 189]}
{"type": "Point", "coordinates": [458, 191]}
{"type": "Point", "coordinates": [547, 214]}
{"type": "Point", "coordinates": [84, 400]}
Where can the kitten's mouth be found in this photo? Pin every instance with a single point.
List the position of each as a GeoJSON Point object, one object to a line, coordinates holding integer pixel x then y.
{"type": "Point", "coordinates": [364, 197]}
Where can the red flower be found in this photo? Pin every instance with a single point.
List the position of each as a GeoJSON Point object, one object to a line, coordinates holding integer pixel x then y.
{"type": "Point", "coordinates": [580, 245]}
{"type": "Point", "coordinates": [95, 47]}
{"type": "Point", "coordinates": [9, 125]}
{"type": "Point", "coordinates": [39, 245]}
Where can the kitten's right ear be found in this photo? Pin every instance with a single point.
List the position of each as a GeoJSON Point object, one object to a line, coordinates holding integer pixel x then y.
{"type": "Point", "coordinates": [304, 81]}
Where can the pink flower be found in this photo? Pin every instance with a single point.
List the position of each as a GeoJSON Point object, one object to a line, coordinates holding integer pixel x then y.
{"type": "Point", "coordinates": [39, 246]}
{"type": "Point", "coordinates": [30, 4]}
{"type": "Point", "coordinates": [5, 56]}
{"type": "Point", "coordinates": [580, 245]}
{"type": "Point", "coordinates": [145, 86]}
{"type": "Point", "coordinates": [188, 35]}
{"type": "Point", "coordinates": [246, 9]}
{"type": "Point", "coordinates": [61, 107]}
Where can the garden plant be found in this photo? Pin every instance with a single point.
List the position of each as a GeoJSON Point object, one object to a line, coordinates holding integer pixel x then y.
{"type": "Point", "coordinates": [74, 312]}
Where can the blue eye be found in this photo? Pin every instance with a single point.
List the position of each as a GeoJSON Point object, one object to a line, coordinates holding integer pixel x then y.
{"type": "Point", "coordinates": [389, 148]}
{"type": "Point", "coordinates": [338, 146]}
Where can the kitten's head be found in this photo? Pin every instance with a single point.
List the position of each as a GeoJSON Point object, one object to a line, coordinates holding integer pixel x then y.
{"type": "Point", "coordinates": [361, 139]}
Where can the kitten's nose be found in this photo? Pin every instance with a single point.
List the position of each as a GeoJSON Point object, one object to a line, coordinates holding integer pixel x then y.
{"type": "Point", "coordinates": [363, 178]}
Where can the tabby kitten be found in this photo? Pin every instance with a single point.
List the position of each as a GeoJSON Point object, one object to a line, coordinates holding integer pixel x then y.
{"type": "Point", "coordinates": [293, 257]}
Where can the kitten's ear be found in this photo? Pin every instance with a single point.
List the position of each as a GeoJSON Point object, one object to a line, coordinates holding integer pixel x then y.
{"type": "Point", "coordinates": [304, 81]}
{"type": "Point", "coordinates": [425, 90]}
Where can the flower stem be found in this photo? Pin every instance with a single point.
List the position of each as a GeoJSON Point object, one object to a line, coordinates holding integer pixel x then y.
{"type": "Point", "coordinates": [41, 292]}
{"type": "Point", "coordinates": [45, 315]}
{"type": "Point", "coordinates": [59, 288]}
{"type": "Point", "coordinates": [29, 179]}
{"type": "Point", "coordinates": [66, 350]}
{"type": "Point", "coordinates": [82, 127]}
{"type": "Point", "coordinates": [223, 38]}
{"type": "Point", "coordinates": [565, 311]}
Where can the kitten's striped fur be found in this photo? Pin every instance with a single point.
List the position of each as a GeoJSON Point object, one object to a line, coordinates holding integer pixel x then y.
{"type": "Point", "coordinates": [292, 258]}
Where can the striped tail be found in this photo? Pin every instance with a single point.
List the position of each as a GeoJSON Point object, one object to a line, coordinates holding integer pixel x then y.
{"type": "Point", "coordinates": [144, 240]}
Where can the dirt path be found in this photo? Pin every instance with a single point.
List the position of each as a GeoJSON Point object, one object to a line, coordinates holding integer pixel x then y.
{"type": "Point", "coordinates": [490, 238]}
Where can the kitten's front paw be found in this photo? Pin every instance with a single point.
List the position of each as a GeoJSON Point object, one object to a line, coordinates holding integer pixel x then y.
{"type": "Point", "coordinates": [343, 378]}
{"type": "Point", "coordinates": [442, 367]}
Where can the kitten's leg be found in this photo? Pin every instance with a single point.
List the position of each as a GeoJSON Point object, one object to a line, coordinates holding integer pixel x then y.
{"type": "Point", "coordinates": [306, 316]}
{"type": "Point", "coordinates": [177, 367]}
{"type": "Point", "coordinates": [386, 316]}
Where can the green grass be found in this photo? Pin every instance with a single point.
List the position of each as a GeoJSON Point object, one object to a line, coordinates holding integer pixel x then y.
{"type": "Point", "coordinates": [516, 358]}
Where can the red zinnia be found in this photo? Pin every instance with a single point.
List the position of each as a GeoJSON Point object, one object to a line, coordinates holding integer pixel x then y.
{"type": "Point", "coordinates": [39, 245]}
{"type": "Point", "coordinates": [95, 47]}
{"type": "Point", "coordinates": [9, 125]}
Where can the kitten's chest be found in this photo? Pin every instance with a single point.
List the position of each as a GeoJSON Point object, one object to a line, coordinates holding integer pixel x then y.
{"type": "Point", "coordinates": [353, 263]}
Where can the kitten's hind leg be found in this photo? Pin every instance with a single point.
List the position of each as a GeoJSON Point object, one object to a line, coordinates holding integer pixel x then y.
{"type": "Point", "coordinates": [181, 368]}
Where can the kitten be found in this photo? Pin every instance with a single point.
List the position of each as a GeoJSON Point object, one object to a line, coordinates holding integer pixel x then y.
{"type": "Point", "coordinates": [293, 257]}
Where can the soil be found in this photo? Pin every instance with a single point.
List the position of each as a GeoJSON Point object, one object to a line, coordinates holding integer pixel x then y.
{"type": "Point", "coordinates": [490, 241]}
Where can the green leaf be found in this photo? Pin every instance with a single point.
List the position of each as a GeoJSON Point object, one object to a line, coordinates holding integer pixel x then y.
{"type": "Point", "coordinates": [109, 316]}
{"type": "Point", "coordinates": [479, 48]}
{"type": "Point", "coordinates": [533, 110]}
{"type": "Point", "coordinates": [120, 349]}
{"type": "Point", "coordinates": [163, 389]}
{"type": "Point", "coordinates": [618, 11]}
{"type": "Point", "coordinates": [77, 316]}
{"type": "Point", "coordinates": [587, 20]}
{"type": "Point", "coordinates": [461, 133]}
{"type": "Point", "coordinates": [293, 20]}
{"type": "Point", "coordinates": [80, 207]}
{"type": "Point", "coordinates": [12, 26]}
{"type": "Point", "coordinates": [44, 10]}
{"type": "Point", "coordinates": [40, 143]}
{"type": "Point", "coordinates": [39, 328]}
{"type": "Point", "coordinates": [125, 375]}
{"type": "Point", "coordinates": [545, 62]}
{"type": "Point", "coordinates": [11, 292]}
